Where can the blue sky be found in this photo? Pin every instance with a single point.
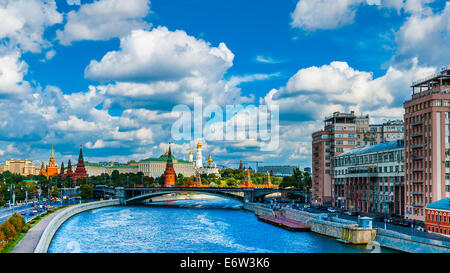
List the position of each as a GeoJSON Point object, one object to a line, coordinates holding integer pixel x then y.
{"type": "Point", "coordinates": [107, 73]}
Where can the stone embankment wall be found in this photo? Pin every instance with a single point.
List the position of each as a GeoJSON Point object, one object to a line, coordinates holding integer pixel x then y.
{"type": "Point", "coordinates": [412, 244]}
{"type": "Point", "coordinates": [55, 224]}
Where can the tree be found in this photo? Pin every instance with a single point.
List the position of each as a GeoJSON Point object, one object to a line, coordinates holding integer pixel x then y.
{"type": "Point", "coordinates": [8, 230]}
{"type": "Point", "coordinates": [86, 191]}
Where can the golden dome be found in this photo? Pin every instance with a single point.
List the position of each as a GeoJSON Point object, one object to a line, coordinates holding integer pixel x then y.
{"type": "Point", "coordinates": [210, 160]}
{"type": "Point", "coordinates": [191, 153]}
{"type": "Point", "coordinates": [199, 145]}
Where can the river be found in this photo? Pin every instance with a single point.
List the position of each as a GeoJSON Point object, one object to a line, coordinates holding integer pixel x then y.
{"type": "Point", "coordinates": [209, 226]}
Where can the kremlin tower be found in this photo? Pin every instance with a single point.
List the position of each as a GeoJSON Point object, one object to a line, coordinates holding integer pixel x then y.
{"type": "Point", "coordinates": [52, 169]}
{"type": "Point", "coordinates": [268, 181]}
{"type": "Point", "coordinates": [169, 173]}
{"type": "Point", "coordinates": [191, 156]}
{"type": "Point", "coordinates": [80, 171]}
{"type": "Point", "coordinates": [69, 169]}
{"type": "Point", "coordinates": [197, 180]}
{"type": "Point", "coordinates": [247, 183]}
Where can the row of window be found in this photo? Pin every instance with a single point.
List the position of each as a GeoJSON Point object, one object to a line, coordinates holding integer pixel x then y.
{"type": "Point", "coordinates": [371, 158]}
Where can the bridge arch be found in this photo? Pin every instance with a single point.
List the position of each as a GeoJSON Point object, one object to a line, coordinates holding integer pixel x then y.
{"type": "Point", "coordinates": [145, 196]}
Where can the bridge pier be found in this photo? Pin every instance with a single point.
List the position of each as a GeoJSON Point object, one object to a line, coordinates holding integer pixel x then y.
{"type": "Point", "coordinates": [121, 195]}
{"type": "Point", "coordinates": [249, 196]}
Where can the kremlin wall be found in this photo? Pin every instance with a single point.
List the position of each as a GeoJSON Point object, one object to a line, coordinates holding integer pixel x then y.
{"type": "Point", "coordinates": [166, 164]}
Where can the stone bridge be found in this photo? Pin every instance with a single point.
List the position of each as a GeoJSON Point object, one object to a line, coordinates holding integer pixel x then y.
{"type": "Point", "coordinates": [244, 195]}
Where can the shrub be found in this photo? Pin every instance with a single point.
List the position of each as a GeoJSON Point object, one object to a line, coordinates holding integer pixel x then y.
{"type": "Point", "coordinates": [8, 230]}
{"type": "Point", "coordinates": [26, 227]}
{"type": "Point", "coordinates": [17, 221]}
{"type": "Point", "coordinates": [3, 241]}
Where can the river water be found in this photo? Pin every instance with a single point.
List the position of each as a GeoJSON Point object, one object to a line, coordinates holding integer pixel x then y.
{"type": "Point", "coordinates": [209, 226]}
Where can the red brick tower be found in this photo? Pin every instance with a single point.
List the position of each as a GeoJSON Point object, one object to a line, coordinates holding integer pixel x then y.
{"type": "Point", "coordinates": [69, 169]}
{"type": "Point", "coordinates": [247, 183]}
{"type": "Point", "coordinates": [197, 180]}
{"type": "Point", "coordinates": [169, 173]}
{"type": "Point", "coordinates": [80, 171]}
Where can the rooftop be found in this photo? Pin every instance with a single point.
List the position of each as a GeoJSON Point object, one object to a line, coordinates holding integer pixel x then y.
{"type": "Point", "coordinates": [391, 145]}
{"type": "Point", "coordinates": [443, 204]}
{"type": "Point", "coordinates": [425, 82]}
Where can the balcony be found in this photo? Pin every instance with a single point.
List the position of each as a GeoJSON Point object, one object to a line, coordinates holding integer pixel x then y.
{"type": "Point", "coordinates": [416, 146]}
{"type": "Point", "coordinates": [417, 122]}
{"type": "Point", "coordinates": [417, 181]}
{"type": "Point", "coordinates": [399, 183]}
{"type": "Point", "coordinates": [417, 134]}
{"type": "Point", "coordinates": [417, 157]}
{"type": "Point", "coordinates": [416, 170]}
{"type": "Point", "coordinates": [417, 192]}
{"type": "Point", "coordinates": [414, 204]}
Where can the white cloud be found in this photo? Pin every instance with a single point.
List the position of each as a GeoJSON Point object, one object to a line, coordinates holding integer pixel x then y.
{"type": "Point", "coordinates": [104, 19]}
{"type": "Point", "coordinates": [338, 87]}
{"type": "Point", "coordinates": [162, 68]}
{"type": "Point", "coordinates": [12, 71]}
{"type": "Point", "coordinates": [425, 35]}
{"type": "Point", "coordinates": [24, 22]}
{"type": "Point", "coordinates": [323, 14]}
{"type": "Point", "coordinates": [267, 59]}
{"type": "Point", "coordinates": [161, 54]}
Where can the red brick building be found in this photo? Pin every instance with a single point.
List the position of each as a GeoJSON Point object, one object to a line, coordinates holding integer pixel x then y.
{"type": "Point", "coordinates": [438, 217]}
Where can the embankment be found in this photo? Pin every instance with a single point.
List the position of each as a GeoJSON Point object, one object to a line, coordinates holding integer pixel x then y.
{"type": "Point", "coordinates": [53, 226]}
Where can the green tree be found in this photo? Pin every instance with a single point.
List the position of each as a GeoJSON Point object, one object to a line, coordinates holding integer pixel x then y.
{"type": "Point", "coordinates": [86, 191]}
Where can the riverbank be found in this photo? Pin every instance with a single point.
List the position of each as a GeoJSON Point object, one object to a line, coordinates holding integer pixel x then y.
{"type": "Point", "coordinates": [30, 240]}
{"type": "Point", "coordinates": [339, 229]}
{"type": "Point", "coordinates": [59, 219]}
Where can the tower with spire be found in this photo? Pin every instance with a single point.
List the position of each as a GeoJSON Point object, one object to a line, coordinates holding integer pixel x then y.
{"type": "Point", "coordinates": [169, 173]}
{"type": "Point", "coordinates": [247, 183]}
{"type": "Point", "coordinates": [52, 168]}
{"type": "Point", "coordinates": [198, 156]}
{"type": "Point", "coordinates": [80, 171]}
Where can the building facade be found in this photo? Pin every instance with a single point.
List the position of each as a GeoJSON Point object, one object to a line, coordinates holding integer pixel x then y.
{"type": "Point", "coordinates": [384, 132]}
{"type": "Point", "coordinates": [437, 218]}
{"type": "Point", "coordinates": [342, 131]}
{"type": "Point", "coordinates": [370, 179]}
{"type": "Point", "coordinates": [277, 170]}
{"type": "Point", "coordinates": [19, 166]}
{"type": "Point", "coordinates": [154, 167]}
{"type": "Point", "coordinates": [427, 143]}
{"type": "Point", "coordinates": [95, 169]}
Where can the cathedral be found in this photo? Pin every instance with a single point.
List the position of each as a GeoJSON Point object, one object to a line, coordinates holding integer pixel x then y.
{"type": "Point", "coordinates": [208, 168]}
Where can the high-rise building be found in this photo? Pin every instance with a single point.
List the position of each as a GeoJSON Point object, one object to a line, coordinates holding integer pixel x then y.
{"type": "Point", "coordinates": [342, 131]}
{"type": "Point", "coordinates": [427, 143]}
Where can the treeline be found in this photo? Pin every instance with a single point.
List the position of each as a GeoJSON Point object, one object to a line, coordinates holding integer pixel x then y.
{"type": "Point", "coordinates": [12, 228]}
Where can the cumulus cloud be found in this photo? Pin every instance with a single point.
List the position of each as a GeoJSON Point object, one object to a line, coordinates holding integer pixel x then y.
{"type": "Point", "coordinates": [323, 14]}
{"type": "Point", "coordinates": [104, 19]}
{"type": "Point", "coordinates": [161, 54]}
{"type": "Point", "coordinates": [338, 87]}
{"type": "Point", "coordinates": [162, 68]}
{"type": "Point", "coordinates": [425, 35]}
{"type": "Point", "coordinates": [12, 71]}
{"type": "Point", "coordinates": [24, 22]}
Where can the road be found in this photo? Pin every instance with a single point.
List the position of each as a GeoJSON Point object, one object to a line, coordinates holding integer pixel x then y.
{"type": "Point", "coordinates": [25, 210]}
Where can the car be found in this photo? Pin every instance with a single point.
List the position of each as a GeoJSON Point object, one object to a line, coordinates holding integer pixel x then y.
{"type": "Point", "coordinates": [23, 213]}
{"type": "Point", "coordinates": [348, 213]}
{"type": "Point", "coordinates": [420, 228]}
{"type": "Point", "coordinates": [330, 209]}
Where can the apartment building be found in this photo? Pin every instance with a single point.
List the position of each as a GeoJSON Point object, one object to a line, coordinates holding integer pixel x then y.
{"type": "Point", "coordinates": [427, 143]}
{"type": "Point", "coordinates": [342, 131]}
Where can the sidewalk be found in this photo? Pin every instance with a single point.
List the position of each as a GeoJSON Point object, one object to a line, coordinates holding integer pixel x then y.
{"type": "Point", "coordinates": [31, 239]}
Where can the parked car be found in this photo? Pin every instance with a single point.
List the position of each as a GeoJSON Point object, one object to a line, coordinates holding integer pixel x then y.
{"type": "Point", "coordinates": [348, 213]}
{"type": "Point", "coordinates": [420, 228]}
{"type": "Point", "coordinates": [332, 210]}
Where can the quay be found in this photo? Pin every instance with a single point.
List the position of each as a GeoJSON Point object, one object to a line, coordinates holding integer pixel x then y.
{"type": "Point", "coordinates": [285, 223]}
